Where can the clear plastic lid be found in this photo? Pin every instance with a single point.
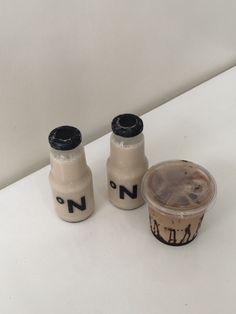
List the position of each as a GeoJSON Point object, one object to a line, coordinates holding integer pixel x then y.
{"type": "Point", "coordinates": [179, 188]}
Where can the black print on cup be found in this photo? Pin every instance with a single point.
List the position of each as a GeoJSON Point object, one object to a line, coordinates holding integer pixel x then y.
{"type": "Point", "coordinates": [198, 227]}
{"type": "Point", "coordinates": [123, 190]}
{"type": "Point", "coordinates": [71, 204]}
{"type": "Point", "coordinates": [154, 225]}
{"type": "Point", "coordinates": [187, 235]}
{"type": "Point", "coordinates": [172, 236]}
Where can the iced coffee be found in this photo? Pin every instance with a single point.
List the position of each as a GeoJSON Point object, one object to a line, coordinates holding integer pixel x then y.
{"type": "Point", "coordinates": [127, 162]}
{"type": "Point", "coordinates": [177, 193]}
{"type": "Point", "coordinates": [70, 177]}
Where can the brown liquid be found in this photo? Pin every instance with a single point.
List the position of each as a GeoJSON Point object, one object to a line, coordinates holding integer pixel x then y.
{"type": "Point", "coordinates": [178, 193]}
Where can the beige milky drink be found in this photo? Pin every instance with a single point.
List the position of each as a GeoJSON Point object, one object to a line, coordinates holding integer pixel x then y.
{"type": "Point", "coordinates": [70, 177]}
{"type": "Point", "coordinates": [127, 162]}
{"type": "Point", "coordinates": [178, 193]}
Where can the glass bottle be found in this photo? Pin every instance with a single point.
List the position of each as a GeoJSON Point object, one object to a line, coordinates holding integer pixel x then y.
{"type": "Point", "coordinates": [70, 177]}
{"type": "Point", "coordinates": [127, 162]}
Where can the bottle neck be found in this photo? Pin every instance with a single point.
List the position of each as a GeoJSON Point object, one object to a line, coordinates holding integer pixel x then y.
{"type": "Point", "coordinates": [68, 166]}
{"type": "Point", "coordinates": [127, 152]}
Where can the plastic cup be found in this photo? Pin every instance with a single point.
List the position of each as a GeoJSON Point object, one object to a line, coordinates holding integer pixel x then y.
{"type": "Point", "coordinates": [178, 193]}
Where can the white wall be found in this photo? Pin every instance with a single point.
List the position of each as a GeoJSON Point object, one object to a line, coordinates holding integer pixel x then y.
{"type": "Point", "coordinates": [81, 62]}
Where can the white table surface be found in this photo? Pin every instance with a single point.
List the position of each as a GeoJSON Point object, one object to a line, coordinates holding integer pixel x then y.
{"type": "Point", "coordinates": [111, 263]}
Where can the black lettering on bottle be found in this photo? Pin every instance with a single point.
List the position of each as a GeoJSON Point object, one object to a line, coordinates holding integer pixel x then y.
{"type": "Point", "coordinates": [132, 194]}
{"type": "Point", "coordinates": [60, 200]}
{"type": "Point", "coordinates": [71, 204]}
{"type": "Point", "coordinates": [112, 184]}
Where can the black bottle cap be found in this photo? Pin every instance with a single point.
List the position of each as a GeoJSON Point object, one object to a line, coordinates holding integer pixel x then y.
{"type": "Point", "coordinates": [127, 125]}
{"type": "Point", "coordinates": [65, 138]}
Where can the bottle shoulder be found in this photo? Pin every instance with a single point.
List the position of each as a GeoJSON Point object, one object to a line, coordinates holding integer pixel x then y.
{"type": "Point", "coordinates": [126, 142]}
{"type": "Point", "coordinates": [67, 155]}
{"type": "Point", "coordinates": [82, 180]}
{"type": "Point", "coordinates": [130, 169]}
{"type": "Point", "coordinates": [116, 163]}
